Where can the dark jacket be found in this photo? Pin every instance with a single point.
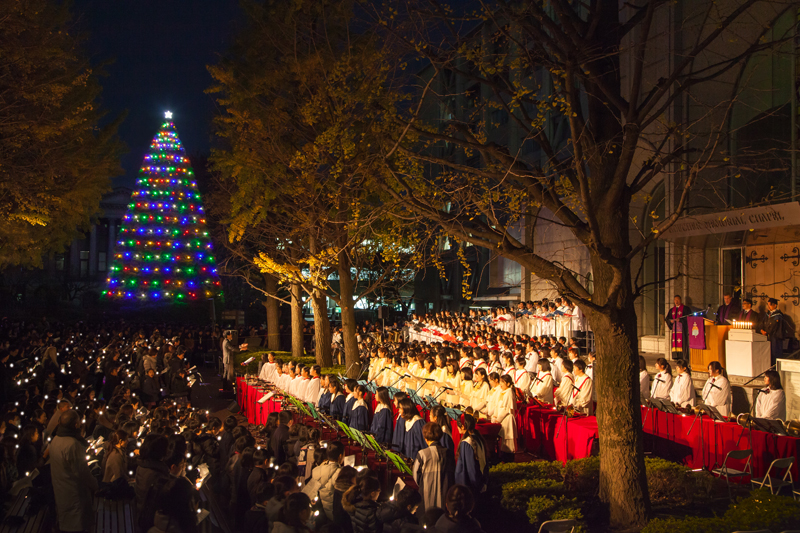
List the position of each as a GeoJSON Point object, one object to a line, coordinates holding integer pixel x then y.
{"type": "Point", "coordinates": [363, 515]}
{"type": "Point", "coordinates": [277, 443]}
{"type": "Point", "coordinates": [256, 521]}
{"type": "Point", "coordinates": [394, 518]}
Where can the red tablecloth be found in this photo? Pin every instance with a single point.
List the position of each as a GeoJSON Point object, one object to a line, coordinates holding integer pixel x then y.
{"type": "Point", "coordinates": [551, 435]}
{"type": "Point", "coordinates": [703, 442]}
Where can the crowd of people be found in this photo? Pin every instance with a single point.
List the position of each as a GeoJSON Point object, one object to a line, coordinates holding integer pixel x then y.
{"type": "Point", "coordinates": [106, 411]}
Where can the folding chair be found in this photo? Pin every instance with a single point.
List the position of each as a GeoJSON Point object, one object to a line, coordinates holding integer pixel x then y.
{"type": "Point", "coordinates": [775, 484]}
{"type": "Point", "coordinates": [558, 526]}
{"type": "Point", "coordinates": [727, 472]}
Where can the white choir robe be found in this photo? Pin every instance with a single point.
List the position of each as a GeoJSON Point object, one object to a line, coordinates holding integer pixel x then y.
{"type": "Point", "coordinates": [717, 394]}
{"type": "Point", "coordinates": [542, 387]}
{"type": "Point", "coordinates": [491, 401]}
{"type": "Point", "coordinates": [267, 372]}
{"type": "Point", "coordinates": [531, 362]}
{"type": "Point", "coordinates": [283, 382]}
{"type": "Point", "coordinates": [522, 381]}
{"type": "Point", "coordinates": [771, 404]}
{"type": "Point", "coordinates": [505, 404]}
{"type": "Point", "coordinates": [563, 393]}
{"type": "Point", "coordinates": [644, 384]}
{"type": "Point", "coordinates": [312, 390]}
{"type": "Point", "coordinates": [582, 395]}
{"type": "Point", "coordinates": [682, 393]}
{"type": "Point", "coordinates": [662, 383]}
{"type": "Point", "coordinates": [480, 396]}
{"type": "Point", "coordinates": [555, 370]}
{"type": "Point", "coordinates": [296, 385]}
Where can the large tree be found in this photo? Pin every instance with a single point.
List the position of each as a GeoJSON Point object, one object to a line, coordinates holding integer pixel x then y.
{"type": "Point", "coordinates": [55, 161]}
{"type": "Point", "coordinates": [300, 90]}
{"type": "Point", "coordinates": [563, 111]}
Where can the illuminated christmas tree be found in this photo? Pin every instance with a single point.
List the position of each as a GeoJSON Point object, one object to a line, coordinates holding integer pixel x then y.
{"type": "Point", "coordinates": [164, 249]}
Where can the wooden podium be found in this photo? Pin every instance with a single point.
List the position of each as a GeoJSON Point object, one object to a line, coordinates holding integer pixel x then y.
{"type": "Point", "coordinates": [715, 347]}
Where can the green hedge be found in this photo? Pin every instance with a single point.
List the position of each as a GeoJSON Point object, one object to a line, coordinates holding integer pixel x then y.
{"type": "Point", "coordinates": [760, 510]}
{"type": "Point", "coordinates": [550, 491]}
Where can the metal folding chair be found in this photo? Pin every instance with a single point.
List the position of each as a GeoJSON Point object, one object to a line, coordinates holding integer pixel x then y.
{"type": "Point", "coordinates": [727, 472]}
{"type": "Point", "coordinates": [775, 484]}
{"type": "Point", "coordinates": [558, 526]}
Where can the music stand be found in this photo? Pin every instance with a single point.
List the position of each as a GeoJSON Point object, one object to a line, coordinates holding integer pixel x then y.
{"type": "Point", "coordinates": [712, 412]}
{"type": "Point", "coordinates": [770, 426]}
{"type": "Point", "coordinates": [392, 391]}
{"type": "Point", "coordinates": [716, 417]}
{"type": "Point", "coordinates": [668, 407]}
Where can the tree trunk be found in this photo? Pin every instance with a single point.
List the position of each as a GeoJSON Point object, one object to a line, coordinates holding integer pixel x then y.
{"type": "Point", "coordinates": [297, 320]}
{"type": "Point", "coordinates": [273, 313]}
{"type": "Point", "coordinates": [352, 360]}
{"type": "Point", "coordinates": [623, 480]}
{"type": "Point", "coordinates": [322, 329]}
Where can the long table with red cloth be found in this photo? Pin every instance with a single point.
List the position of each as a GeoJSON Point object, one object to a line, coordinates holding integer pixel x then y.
{"type": "Point", "coordinates": [549, 434]}
{"type": "Point", "coordinates": [703, 442]}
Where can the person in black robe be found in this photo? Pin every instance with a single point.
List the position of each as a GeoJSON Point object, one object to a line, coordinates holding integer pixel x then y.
{"type": "Point", "coordinates": [728, 311]}
{"type": "Point", "coordinates": [773, 328]}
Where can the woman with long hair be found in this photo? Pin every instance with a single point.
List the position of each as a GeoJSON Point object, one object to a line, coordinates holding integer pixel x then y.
{"type": "Point", "coordinates": [359, 413]}
{"type": "Point", "coordinates": [294, 515]}
{"type": "Point", "coordinates": [439, 415]}
{"type": "Point", "coordinates": [504, 414]}
{"type": "Point", "coordinates": [360, 502]}
{"type": "Point", "coordinates": [771, 401]}
{"type": "Point", "coordinates": [542, 387]}
{"type": "Point", "coordinates": [337, 398]}
{"type": "Point", "coordinates": [717, 390]}
{"type": "Point", "coordinates": [413, 424]}
{"type": "Point", "coordinates": [472, 467]}
{"type": "Point", "coordinates": [480, 390]}
{"type": "Point", "coordinates": [382, 421]}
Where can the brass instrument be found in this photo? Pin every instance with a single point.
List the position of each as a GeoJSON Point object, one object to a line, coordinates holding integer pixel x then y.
{"type": "Point", "coordinates": [792, 428]}
{"type": "Point", "coordinates": [745, 420]}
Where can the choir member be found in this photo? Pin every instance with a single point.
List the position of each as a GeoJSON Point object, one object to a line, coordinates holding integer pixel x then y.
{"type": "Point", "coordinates": [433, 468]}
{"type": "Point", "coordinates": [531, 359]}
{"type": "Point", "coordinates": [582, 392]}
{"type": "Point", "coordinates": [412, 438]}
{"type": "Point", "coordinates": [644, 380]}
{"type": "Point", "coordinates": [505, 407]}
{"type": "Point", "coordinates": [717, 390]}
{"type": "Point", "coordinates": [662, 381]}
{"type": "Point", "coordinates": [349, 385]}
{"type": "Point", "coordinates": [439, 415]}
{"type": "Point", "coordinates": [682, 393]}
{"type": "Point", "coordinates": [771, 402]}
{"type": "Point", "coordinates": [313, 385]}
{"type": "Point", "coordinates": [522, 380]}
{"type": "Point", "coordinates": [267, 372]}
{"type": "Point", "coordinates": [472, 467]}
{"type": "Point", "coordinates": [382, 423]}
{"type": "Point", "coordinates": [324, 402]}
{"type": "Point", "coordinates": [542, 388]}
{"type": "Point", "coordinates": [563, 393]}
{"type": "Point", "coordinates": [480, 390]}
{"type": "Point", "coordinates": [399, 433]}
{"type": "Point", "coordinates": [337, 398]}
{"type": "Point", "coordinates": [359, 413]}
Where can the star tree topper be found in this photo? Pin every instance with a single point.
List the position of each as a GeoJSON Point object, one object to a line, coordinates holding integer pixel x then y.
{"type": "Point", "coordinates": [168, 114]}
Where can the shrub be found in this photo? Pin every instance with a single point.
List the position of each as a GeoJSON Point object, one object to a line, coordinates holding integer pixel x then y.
{"type": "Point", "coordinates": [517, 493]}
{"type": "Point", "coordinates": [763, 510]}
{"type": "Point", "coordinates": [760, 510]}
{"type": "Point", "coordinates": [667, 482]}
{"type": "Point", "coordinates": [508, 472]}
{"type": "Point", "coordinates": [582, 476]}
{"type": "Point", "coordinates": [686, 525]}
{"type": "Point", "coordinates": [543, 508]}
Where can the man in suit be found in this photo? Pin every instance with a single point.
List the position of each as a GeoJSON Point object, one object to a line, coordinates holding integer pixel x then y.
{"type": "Point", "coordinates": [229, 351]}
{"type": "Point", "coordinates": [727, 311]}
{"type": "Point", "coordinates": [748, 314]}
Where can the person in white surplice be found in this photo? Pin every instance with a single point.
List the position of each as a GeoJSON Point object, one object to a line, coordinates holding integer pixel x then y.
{"type": "Point", "coordinates": [682, 393]}
{"type": "Point", "coordinates": [582, 392]}
{"type": "Point", "coordinates": [717, 390]}
{"type": "Point", "coordinates": [771, 402]}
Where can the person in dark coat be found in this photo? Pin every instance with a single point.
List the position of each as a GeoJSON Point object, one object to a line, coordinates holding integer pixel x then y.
{"type": "Point", "coordinates": [280, 437]}
{"type": "Point", "coordinates": [112, 380]}
{"type": "Point", "coordinates": [773, 329]}
{"type": "Point", "coordinates": [382, 423]}
{"type": "Point", "coordinates": [255, 520]}
{"type": "Point", "coordinates": [728, 311]}
{"type": "Point", "coordinates": [151, 391]}
{"type": "Point", "coordinates": [360, 502]}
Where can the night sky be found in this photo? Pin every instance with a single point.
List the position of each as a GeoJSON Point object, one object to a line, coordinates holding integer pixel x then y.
{"type": "Point", "coordinates": [159, 51]}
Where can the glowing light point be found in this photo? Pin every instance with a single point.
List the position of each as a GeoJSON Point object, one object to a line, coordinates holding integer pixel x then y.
{"type": "Point", "coordinates": [168, 114]}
